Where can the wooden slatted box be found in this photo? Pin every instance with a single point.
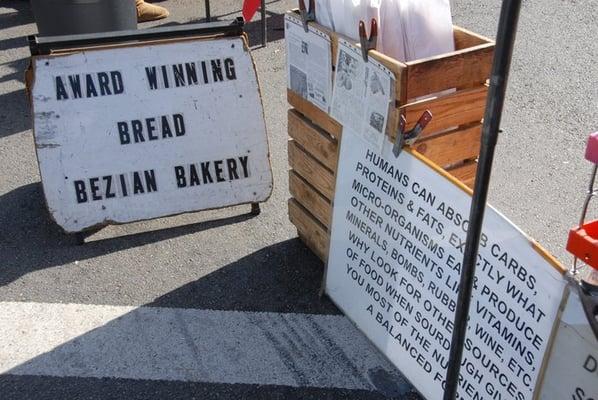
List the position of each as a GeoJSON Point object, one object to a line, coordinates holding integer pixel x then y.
{"type": "Point", "coordinates": [451, 140]}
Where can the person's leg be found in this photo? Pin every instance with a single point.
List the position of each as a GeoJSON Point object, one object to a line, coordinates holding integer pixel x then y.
{"type": "Point", "coordinates": [149, 12]}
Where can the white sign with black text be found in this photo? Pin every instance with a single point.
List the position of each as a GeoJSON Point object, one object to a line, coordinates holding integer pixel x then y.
{"type": "Point", "coordinates": [572, 371]}
{"type": "Point", "coordinates": [133, 133]}
{"type": "Point", "coordinates": [397, 241]}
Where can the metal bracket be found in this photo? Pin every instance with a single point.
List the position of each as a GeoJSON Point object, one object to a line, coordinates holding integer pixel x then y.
{"type": "Point", "coordinates": [370, 43]}
{"type": "Point", "coordinates": [588, 295]}
{"type": "Point", "coordinates": [409, 138]}
{"type": "Point", "coordinates": [255, 209]}
{"type": "Point", "coordinates": [307, 15]}
{"type": "Point", "coordinates": [44, 45]}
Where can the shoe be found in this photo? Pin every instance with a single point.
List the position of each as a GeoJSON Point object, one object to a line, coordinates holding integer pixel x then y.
{"type": "Point", "coordinates": [149, 12]}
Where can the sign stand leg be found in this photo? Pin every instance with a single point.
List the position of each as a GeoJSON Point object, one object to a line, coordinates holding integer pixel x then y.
{"type": "Point", "coordinates": [207, 7]}
{"type": "Point", "coordinates": [255, 209]}
{"type": "Point", "coordinates": [264, 27]}
{"type": "Point", "coordinates": [81, 236]}
{"type": "Point", "coordinates": [505, 39]}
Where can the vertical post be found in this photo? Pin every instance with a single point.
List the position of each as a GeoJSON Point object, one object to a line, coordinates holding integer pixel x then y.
{"type": "Point", "coordinates": [208, 15]}
{"type": "Point", "coordinates": [264, 27]}
{"type": "Point", "coordinates": [505, 39]}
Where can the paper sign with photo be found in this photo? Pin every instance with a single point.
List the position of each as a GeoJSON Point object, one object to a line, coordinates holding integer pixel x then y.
{"type": "Point", "coordinates": [362, 94]}
{"type": "Point", "coordinates": [308, 62]}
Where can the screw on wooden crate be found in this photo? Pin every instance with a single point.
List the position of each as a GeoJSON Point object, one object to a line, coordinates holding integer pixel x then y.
{"type": "Point", "coordinates": [409, 138]}
{"type": "Point", "coordinates": [307, 15]}
{"type": "Point", "coordinates": [370, 43]}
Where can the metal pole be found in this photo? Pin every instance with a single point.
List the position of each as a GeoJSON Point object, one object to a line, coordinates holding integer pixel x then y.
{"type": "Point", "coordinates": [505, 39]}
{"type": "Point", "coordinates": [264, 27]}
{"type": "Point", "coordinates": [208, 14]}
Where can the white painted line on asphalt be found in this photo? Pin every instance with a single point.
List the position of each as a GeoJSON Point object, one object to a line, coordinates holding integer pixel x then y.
{"type": "Point", "coordinates": [79, 340]}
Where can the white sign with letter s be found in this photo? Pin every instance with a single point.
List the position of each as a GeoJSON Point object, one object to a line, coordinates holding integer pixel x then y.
{"type": "Point", "coordinates": [132, 133]}
{"type": "Point", "coordinates": [572, 371]}
{"type": "Point", "coordinates": [397, 241]}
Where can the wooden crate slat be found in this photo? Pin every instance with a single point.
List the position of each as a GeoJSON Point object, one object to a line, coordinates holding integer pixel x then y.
{"type": "Point", "coordinates": [455, 109]}
{"type": "Point", "coordinates": [465, 38]}
{"type": "Point", "coordinates": [469, 182]}
{"type": "Point", "coordinates": [318, 205]}
{"type": "Point", "coordinates": [313, 150]}
{"type": "Point", "coordinates": [313, 139]}
{"type": "Point", "coordinates": [310, 230]}
{"type": "Point", "coordinates": [453, 146]}
{"type": "Point", "coordinates": [465, 172]}
{"type": "Point", "coordinates": [310, 169]}
{"type": "Point", "coordinates": [459, 69]}
{"type": "Point", "coordinates": [315, 114]}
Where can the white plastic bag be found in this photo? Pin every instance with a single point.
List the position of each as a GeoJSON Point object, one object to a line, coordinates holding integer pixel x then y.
{"type": "Point", "coordinates": [407, 29]}
{"type": "Point", "coordinates": [428, 27]}
{"type": "Point", "coordinates": [392, 37]}
{"type": "Point", "coordinates": [343, 16]}
{"type": "Point", "coordinates": [324, 14]}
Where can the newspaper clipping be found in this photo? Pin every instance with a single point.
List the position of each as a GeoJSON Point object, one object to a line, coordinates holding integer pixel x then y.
{"type": "Point", "coordinates": [362, 94]}
{"type": "Point", "coordinates": [309, 61]}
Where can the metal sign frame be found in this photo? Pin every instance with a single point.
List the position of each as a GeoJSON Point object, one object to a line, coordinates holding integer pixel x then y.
{"type": "Point", "coordinates": [44, 45]}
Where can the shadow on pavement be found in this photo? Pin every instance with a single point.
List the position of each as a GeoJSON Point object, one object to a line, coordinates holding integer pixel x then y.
{"type": "Point", "coordinates": [284, 277]}
{"type": "Point", "coordinates": [22, 15]}
{"type": "Point", "coordinates": [31, 241]}
{"type": "Point", "coordinates": [255, 329]}
{"type": "Point", "coordinates": [30, 387]}
{"type": "Point", "coordinates": [15, 114]}
{"type": "Point", "coordinates": [14, 107]}
{"type": "Point", "coordinates": [274, 27]}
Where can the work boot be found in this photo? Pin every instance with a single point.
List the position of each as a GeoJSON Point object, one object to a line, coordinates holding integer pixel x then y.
{"type": "Point", "coordinates": [149, 12]}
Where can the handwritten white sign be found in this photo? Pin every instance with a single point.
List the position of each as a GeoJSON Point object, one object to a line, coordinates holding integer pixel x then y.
{"type": "Point", "coordinates": [133, 133]}
{"type": "Point", "coordinates": [398, 235]}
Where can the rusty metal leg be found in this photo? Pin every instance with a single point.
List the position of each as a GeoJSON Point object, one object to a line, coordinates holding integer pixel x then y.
{"type": "Point", "coordinates": [208, 16]}
{"type": "Point", "coordinates": [264, 27]}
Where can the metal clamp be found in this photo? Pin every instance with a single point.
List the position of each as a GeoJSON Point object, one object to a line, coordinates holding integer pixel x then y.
{"type": "Point", "coordinates": [409, 138]}
{"type": "Point", "coordinates": [400, 140]}
{"type": "Point", "coordinates": [588, 293]}
{"type": "Point", "coordinates": [590, 194]}
{"type": "Point", "coordinates": [307, 15]}
{"type": "Point", "coordinates": [370, 43]}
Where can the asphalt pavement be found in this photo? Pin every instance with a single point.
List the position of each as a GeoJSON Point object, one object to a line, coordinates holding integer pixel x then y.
{"type": "Point", "coordinates": [72, 317]}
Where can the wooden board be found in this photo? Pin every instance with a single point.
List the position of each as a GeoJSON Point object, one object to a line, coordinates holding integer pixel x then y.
{"type": "Point", "coordinates": [310, 169]}
{"type": "Point", "coordinates": [465, 38]}
{"type": "Point", "coordinates": [459, 69]}
{"type": "Point", "coordinates": [313, 139]}
{"type": "Point", "coordinates": [460, 144]}
{"type": "Point", "coordinates": [310, 198]}
{"type": "Point", "coordinates": [454, 109]}
{"type": "Point", "coordinates": [313, 113]}
{"type": "Point", "coordinates": [465, 172]}
{"type": "Point", "coordinates": [312, 233]}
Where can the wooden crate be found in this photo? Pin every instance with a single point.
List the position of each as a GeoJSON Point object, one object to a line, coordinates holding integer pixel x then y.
{"type": "Point", "coordinates": [451, 140]}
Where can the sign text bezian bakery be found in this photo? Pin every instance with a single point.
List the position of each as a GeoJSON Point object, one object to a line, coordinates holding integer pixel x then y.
{"type": "Point", "coordinates": [122, 136]}
{"type": "Point", "coordinates": [397, 242]}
